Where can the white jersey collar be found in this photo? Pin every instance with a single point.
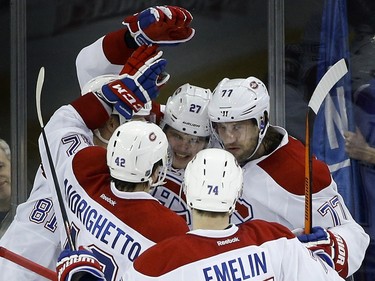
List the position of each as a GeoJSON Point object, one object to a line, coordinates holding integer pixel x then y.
{"type": "Point", "coordinates": [215, 233]}
{"type": "Point", "coordinates": [131, 195]}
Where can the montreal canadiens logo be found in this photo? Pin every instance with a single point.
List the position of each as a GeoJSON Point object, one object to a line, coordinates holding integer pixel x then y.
{"type": "Point", "coordinates": [152, 136]}
{"type": "Point", "coordinates": [253, 85]}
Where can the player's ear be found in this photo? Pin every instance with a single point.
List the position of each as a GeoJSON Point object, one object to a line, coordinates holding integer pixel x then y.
{"type": "Point", "coordinates": [113, 122]}
{"type": "Point", "coordinates": [155, 175]}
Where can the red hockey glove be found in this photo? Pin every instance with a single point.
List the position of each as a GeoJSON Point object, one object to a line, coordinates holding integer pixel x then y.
{"type": "Point", "coordinates": [334, 247]}
{"type": "Point", "coordinates": [72, 264]}
{"type": "Point", "coordinates": [162, 25]}
{"type": "Point", "coordinates": [137, 60]}
{"type": "Point", "coordinates": [142, 76]}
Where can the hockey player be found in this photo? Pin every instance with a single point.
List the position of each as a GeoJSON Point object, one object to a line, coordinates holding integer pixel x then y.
{"type": "Point", "coordinates": [34, 233]}
{"type": "Point", "coordinates": [118, 219]}
{"type": "Point", "coordinates": [273, 164]}
{"type": "Point", "coordinates": [110, 210]}
{"type": "Point", "coordinates": [187, 127]}
{"type": "Point", "coordinates": [184, 118]}
{"type": "Point", "coordinates": [217, 249]}
{"type": "Point", "coordinates": [37, 216]}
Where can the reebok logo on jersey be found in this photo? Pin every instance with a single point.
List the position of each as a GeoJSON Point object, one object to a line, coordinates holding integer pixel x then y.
{"type": "Point", "coordinates": [109, 200]}
{"type": "Point", "coordinates": [228, 241]}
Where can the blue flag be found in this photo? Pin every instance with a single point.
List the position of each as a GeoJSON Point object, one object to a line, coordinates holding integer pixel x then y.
{"type": "Point", "coordinates": [336, 113]}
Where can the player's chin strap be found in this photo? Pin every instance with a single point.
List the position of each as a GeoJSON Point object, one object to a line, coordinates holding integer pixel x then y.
{"type": "Point", "coordinates": [99, 136]}
{"type": "Point", "coordinates": [161, 177]}
{"type": "Point", "coordinates": [262, 133]}
{"type": "Point", "coordinates": [252, 154]}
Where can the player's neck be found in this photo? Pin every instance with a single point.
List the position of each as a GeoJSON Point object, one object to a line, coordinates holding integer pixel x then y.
{"type": "Point", "coordinates": [213, 223]}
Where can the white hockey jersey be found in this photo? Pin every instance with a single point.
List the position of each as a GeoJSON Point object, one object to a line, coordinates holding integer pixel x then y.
{"type": "Point", "coordinates": [254, 250]}
{"type": "Point", "coordinates": [34, 233]}
{"type": "Point", "coordinates": [171, 195]}
{"type": "Point", "coordinates": [116, 226]}
{"type": "Point", "coordinates": [274, 191]}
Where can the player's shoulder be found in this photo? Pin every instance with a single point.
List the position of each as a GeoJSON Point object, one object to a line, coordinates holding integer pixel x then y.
{"type": "Point", "coordinates": [170, 216]}
{"type": "Point", "coordinates": [157, 221]}
{"type": "Point", "coordinates": [87, 171]}
{"type": "Point", "coordinates": [263, 231]}
{"type": "Point", "coordinates": [286, 166]}
{"type": "Point", "coordinates": [87, 154]}
{"type": "Point", "coordinates": [172, 247]}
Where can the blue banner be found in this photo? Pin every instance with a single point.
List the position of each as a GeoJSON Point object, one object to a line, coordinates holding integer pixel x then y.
{"type": "Point", "coordinates": [336, 113]}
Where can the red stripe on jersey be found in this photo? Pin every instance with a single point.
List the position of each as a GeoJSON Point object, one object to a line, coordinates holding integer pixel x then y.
{"type": "Point", "coordinates": [115, 49]}
{"type": "Point", "coordinates": [91, 170]}
{"type": "Point", "coordinates": [186, 249]}
{"type": "Point", "coordinates": [86, 105]}
{"type": "Point", "coordinates": [287, 167]}
{"type": "Point", "coordinates": [147, 216]}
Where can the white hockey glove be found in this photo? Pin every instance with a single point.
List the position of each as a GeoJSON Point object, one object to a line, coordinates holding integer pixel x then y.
{"type": "Point", "coordinates": [78, 265]}
{"type": "Point", "coordinates": [142, 76]}
{"type": "Point", "coordinates": [329, 246]}
{"type": "Point", "coordinates": [162, 25]}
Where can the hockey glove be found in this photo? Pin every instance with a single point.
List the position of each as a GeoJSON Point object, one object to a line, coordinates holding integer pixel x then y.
{"type": "Point", "coordinates": [136, 61]}
{"type": "Point", "coordinates": [162, 25]}
{"type": "Point", "coordinates": [81, 263]}
{"type": "Point", "coordinates": [142, 76]}
{"type": "Point", "coordinates": [329, 246]}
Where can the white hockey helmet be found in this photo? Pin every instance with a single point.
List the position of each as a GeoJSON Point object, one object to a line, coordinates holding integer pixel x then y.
{"type": "Point", "coordinates": [213, 181]}
{"type": "Point", "coordinates": [241, 99]}
{"type": "Point", "coordinates": [95, 85]}
{"type": "Point", "coordinates": [134, 148]}
{"type": "Point", "coordinates": [186, 110]}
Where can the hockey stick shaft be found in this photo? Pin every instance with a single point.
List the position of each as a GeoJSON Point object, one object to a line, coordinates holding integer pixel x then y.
{"type": "Point", "coordinates": [326, 83]}
{"type": "Point", "coordinates": [39, 86]}
{"type": "Point", "coordinates": [28, 264]}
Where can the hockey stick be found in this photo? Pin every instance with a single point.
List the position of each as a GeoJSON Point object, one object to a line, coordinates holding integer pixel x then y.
{"type": "Point", "coordinates": [28, 264]}
{"type": "Point", "coordinates": [330, 78]}
{"type": "Point", "coordinates": [38, 94]}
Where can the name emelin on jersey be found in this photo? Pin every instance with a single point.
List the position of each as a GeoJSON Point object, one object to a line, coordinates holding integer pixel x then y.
{"type": "Point", "coordinates": [241, 268]}
{"type": "Point", "coordinates": [101, 227]}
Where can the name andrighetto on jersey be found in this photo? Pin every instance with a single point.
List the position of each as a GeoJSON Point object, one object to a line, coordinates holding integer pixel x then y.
{"type": "Point", "coordinates": [100, 227]}
{"type": "Point", "coordinates": [240, 268]}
